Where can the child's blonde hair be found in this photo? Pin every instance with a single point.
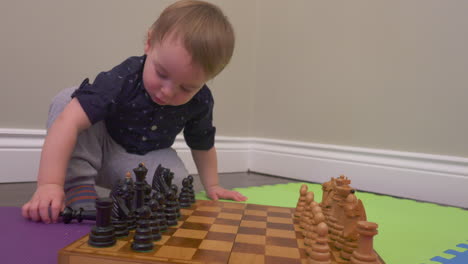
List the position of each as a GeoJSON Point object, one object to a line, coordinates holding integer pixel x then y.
{"type": "Point", "coordinates": [204, 30]}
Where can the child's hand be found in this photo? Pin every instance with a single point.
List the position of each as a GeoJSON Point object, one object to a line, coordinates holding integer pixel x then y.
{"type": "Point", "coordinates": [46, 196]}
{"type": "Point", "coordinates": [218, 192]}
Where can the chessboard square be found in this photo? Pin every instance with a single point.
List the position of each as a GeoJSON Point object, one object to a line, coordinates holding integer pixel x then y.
{"type": "Point", "coordinates": [232, 211]}
{"type": "Point", "coordinates": [282, 242]}
{"type": "Point", "coordinates": [196, 226]}
{"type": "Point", "coordinates": [281, 210]}
{"type": "Point", "coordinates": [252, 231]}
{"type": "Point", "coordinates": [183, 242]}
{"type": "Point", "coordinates": [182, 218]}
{"type": "Point", "coordinates": [255, 212]}
{"type": "Point", "coordinates": [184, 211]}
{"type": "Point", "coordinates": [299, 234]}
{"type": "Point", "coordinates": [209, 209]}
{"type": "Point", "coordinates": [118, 245]}
{"type": "Point", "coordinates": [248, 248]}
{"type": "Point", "coordinates": [246, 258]}
{"type": "Point", "coordinates": [220, 221]}
{"type": "Point", "coordinates": [205, 213]}
{"type": "Point", "coordinates": [190, 233]}
{"type": "Point", "coordinates": [298, 228]}
{"type": "Point", "coordinates": [210, 256]}
{"type": "Point", "coordinates": [254, 218]}
{"type": "Point", "coordinates": [163, 240]}
{"type": "Point", "coordinates": [303, 253]}
{"type": "Point", "coordinates": [275, 260]}
{"type": "Point", "coordinates": [257, 224]}
{"type": "Point", "coordinates": [216, 245]}
{"type": "Point", "coordinates": [285, 252]}
{"type": "Point", "coordinates": [280, 226]}
{"type": "Point", "coordinates": [170, 231]}
{"type": "Point", "coordinates": [200, 219]}
{"type": "Point", "coordinates": [224, 228]}
{"type": "Point", "coordinates": [175, 252]}
{"type": "Point", "coordinates": [281, 233]}
{"type": "Point", "coordinates": [280, 220]}
{"type": "Point", "coordinates": [220, 236]}
{"type": "Point", "coordinates": [250, 239]}
{"type": "Point", "coordinates": [209, 203]}
{"type": "Point", "coordinates": [256, 207]}
{"type": "Point", "coordinates": [300, 243]}
{"type": "Point", "coordinates": [277, 214]}
{"type": "Point", "coordinates": [230, 216]}
{"type": "Point", "coordinates": [234, 205]}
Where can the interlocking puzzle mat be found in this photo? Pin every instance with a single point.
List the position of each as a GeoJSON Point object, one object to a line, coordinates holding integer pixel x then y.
{"type": "Point", "coordinates": [410, 232]}
{"type": "Point", "coordinates": [210, 232]}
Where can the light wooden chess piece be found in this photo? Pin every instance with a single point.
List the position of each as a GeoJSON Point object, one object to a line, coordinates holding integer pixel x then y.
{"type": "Point", "coordinates": [354, 212]}
{"type": "Point", "coordinates": [311, 236]}
{"type": "Point", "coordinates": [301, 201]}
{"type": "Point", "coordinates": [365, 253]}
{"type": "Point", "coordinates": [320, 253]}
{"type": "Point", "coordinates": [306, 213]}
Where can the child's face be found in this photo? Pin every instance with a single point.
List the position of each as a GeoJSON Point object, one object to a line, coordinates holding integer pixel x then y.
{"type": "Point", "coordinates": [169, 76]}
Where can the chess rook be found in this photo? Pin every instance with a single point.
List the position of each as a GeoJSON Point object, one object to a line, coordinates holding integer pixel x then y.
{"type": "Point", "coordinates": [102, 234]}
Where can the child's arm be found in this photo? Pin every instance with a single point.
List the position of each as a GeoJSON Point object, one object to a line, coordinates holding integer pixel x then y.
{"type": "Point", "coordinates": [56, 152]}
{"type": "Point", "coordinates": [207, 166]}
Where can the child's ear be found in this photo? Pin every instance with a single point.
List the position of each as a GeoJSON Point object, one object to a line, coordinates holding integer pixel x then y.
{"type": "Point", "coordinates": [148, 42]}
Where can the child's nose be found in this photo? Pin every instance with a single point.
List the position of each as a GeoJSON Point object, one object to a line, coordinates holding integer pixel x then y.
{"type": "Point", "coordinates": [168, 90]}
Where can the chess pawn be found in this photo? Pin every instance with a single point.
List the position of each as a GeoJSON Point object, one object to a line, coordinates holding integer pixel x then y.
{"type": "Point", "coordinates": [365, 254]}
{"type": "Point", "coordinates": [143, 239]}
{"type": "Point", "coordinates": [160, 214]}
{"type": "Point", "coordinates": [192, 193]}
{"type": "Point", "coordinates": [171, 209]}
{"type": "Point", "coordinates": [305, 215]}
{"type": "Point", "coordinates": [154, 226]}
{"type": "Point", "coordinates": [102, 234]}
{"type": "Point", "coordinates": [184, 197]}
{"type": "Point", "coordinates": [175, 190]}
{"type": "Point", "coordinates": [313, 234]}
{"type": "Point", "coordinates": [301, 201]}
{"type": "Point", "coordinates": [320, 251]}
{"type": "Point", "coordinates": [128, 189]}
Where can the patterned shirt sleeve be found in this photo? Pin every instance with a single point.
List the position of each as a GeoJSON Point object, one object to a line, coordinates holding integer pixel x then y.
{"type": "Point", "coordinates": [199, 132]}
{"type": "Point", "coordinates": [97, 99]}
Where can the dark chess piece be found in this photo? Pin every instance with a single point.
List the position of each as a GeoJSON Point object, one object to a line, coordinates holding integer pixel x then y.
{"type": "Point", "coordinates": [168, 177]}
{"type": "Point", "coordinates": [184, 197]}
{"type": "Point", "coordinates": [154, 225]}
{"type": "Point", "coordinates": [160, 214]}
{"type": "Point", "coordinates": [69, 214]}
{"type": "Point", "coordinates": [175, 190]}
{"type": "Point", "coordinates": [129, 189]}
{"type": "Point", "coordinates": [159, 180]}
{"type": "Point", "coordinates": [120, 211]}
{"type": "Point", "coordinates": [102, 234]}
{"type": "Point", "coordinates": [140, 184]}
{"type": "Point", "coordinates": [143, 239]}
{"type": "Point", "coordinates": [192, 193]}
{"type": "Point", "coordinates": [171, 209]}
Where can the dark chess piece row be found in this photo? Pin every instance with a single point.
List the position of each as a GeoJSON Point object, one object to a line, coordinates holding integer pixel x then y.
{"type": "Point", "coordinates": [149, 209]}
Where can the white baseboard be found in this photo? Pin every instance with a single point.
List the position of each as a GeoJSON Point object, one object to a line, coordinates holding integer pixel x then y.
{"type": "Point", "coordinates": [432, 178]}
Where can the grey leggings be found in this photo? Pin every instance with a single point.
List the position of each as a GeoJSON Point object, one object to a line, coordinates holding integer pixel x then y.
{"type": "Point", "coordinates": [99, 160]}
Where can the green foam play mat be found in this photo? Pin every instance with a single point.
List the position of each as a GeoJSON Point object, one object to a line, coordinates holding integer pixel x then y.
{"type": "Point", "coordinates": [410, 232]}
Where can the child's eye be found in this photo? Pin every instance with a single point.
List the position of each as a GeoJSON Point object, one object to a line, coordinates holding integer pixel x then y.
{"type": "Point", "coordinates": [185, 89]}
{"type": "Point", "coordinates": [162, 76]}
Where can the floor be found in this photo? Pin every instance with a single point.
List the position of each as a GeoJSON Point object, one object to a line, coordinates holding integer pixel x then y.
{"type": "Point", "coordinates": [16, 194]}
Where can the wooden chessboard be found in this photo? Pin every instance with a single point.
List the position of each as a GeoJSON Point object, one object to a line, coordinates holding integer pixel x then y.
{"type": "Point", "coordinates": [210, 232]}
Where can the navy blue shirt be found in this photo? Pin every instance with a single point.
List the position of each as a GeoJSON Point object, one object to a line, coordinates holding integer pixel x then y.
{"type": "Point", "coordinates": [137, 123]}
